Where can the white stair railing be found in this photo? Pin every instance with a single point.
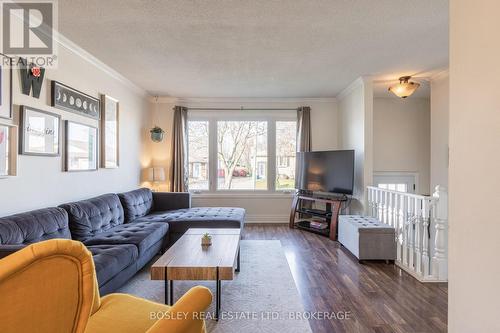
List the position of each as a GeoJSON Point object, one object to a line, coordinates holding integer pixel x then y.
{"type": "Point", "coordinates": [421, 226]}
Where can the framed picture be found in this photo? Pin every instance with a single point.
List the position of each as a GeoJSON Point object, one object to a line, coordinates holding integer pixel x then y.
{"type": "Point", "coordinates": [109, 132]}
{"type": "Point", "coordinates": [5, 87]}
{"type": "Point", "coordinates": [8, 150]}
{"type": "Point", "coordinates": [72, 100]}
{"type": "Point", "coordinates": [81, 146]}
{"type": "Point", "coordinates": [40, 132]}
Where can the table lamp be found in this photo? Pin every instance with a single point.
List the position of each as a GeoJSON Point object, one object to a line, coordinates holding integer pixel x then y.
{"type": "Point", "coordinates": [156, 175]}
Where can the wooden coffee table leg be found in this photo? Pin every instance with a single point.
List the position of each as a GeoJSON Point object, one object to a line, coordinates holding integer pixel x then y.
{"type": "Point", "coordinates": [166, 287]}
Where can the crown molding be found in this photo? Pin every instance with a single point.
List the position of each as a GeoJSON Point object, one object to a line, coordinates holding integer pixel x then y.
{"type": "Point", "coordinates": [359, 82]}
{"type": "Point", "coordinates": [243, 100]}
{"type": "Point", "coordinates": [79, 51]}
{"type": "Point", "coordinates": [440, 75]}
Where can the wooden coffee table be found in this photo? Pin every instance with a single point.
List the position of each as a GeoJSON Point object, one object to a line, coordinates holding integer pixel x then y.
{"type": "Point", "coordinates": [187, 259]}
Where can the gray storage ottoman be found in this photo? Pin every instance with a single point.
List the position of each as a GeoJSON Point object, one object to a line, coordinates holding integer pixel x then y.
{"type": "Point", "coordinates": [367, 238]}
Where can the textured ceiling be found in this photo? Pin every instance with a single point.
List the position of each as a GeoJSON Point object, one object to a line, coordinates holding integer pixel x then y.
{"type": "Point", "coordinates": [259, 48]}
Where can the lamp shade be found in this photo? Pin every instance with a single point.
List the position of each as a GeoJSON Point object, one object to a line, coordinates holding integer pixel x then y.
{"type": "Point", "coordinates": [404, 88]}
{"type": "Point", "coordinates": [156, 174]}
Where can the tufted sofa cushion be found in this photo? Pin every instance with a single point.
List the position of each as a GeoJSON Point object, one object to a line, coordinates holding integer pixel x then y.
{"type": "Point", "coordinates": [181, 220]}
{"type": "Point", "coordinates": [109, 260]}
{"type": "Point", "coordinates": [136, 203]}
{"type": "Point", "coordinates": [91, 217]}
{"type": "Point", "coordinates": [34, 226]}
{"type": "Point", "coordinates": [142, 234]}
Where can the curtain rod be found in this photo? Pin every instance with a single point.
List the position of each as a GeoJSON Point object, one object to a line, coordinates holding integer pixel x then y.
{"type": "Point", "coordinates": [244, 109]}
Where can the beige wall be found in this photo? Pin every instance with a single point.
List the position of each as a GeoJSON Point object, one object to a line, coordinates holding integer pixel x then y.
{"type": "Point", "coordinates": [401, 137]}
{"type": "Point", "coordinates": [355, 131]}
{"type": "Point", "coordinates": [474, 182]}
{"type": "Point", "coordinates": [440, 112]}
{"type": "Point", "coordinates": [40, 181]}
{"type": "Point", "coordinates": [264, 208]}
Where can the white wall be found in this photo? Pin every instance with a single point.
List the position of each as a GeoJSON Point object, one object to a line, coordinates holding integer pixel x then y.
{"type": "Point", "coordinates": [474, 182]}
{"type": "Point", "coordinates": [264, 208]}
{"type": "Point", "coordinates": [355, 106]}
{"type": "Point", "coordinates": [401, 137]}
{"type": "Point", "coordinates": [40, 181]}
{"type": "Point", "coordinates": [440, 112]}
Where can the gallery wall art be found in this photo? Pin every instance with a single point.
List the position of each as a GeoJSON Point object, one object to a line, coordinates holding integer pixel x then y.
{"type": "Point", "coordinates": [8, 151]}
{"type": "Point", "coordinates": [81, 147]}
{"type": "Point", "coordinates": [72, 100]}
{"type": "Point", "coordinates": [31, 77]}
{"type": "Point", "coordinates": [5, 87]}
{"type": "Point", "coordinates": [109, 132]}
{"type": "Point", "coordinates": [40, 132]}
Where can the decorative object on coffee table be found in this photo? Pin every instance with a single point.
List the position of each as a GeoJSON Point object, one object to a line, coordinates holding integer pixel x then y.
{"type": "Point", "coordinates": [206, 239]}
{"type": "Point", "coordinates": [72, 100]}
{"type": "Point", "coordinates": [187, 260]}
{"type": "Point", "coordinates": [40, 132]}
{"type": "Point", "coordinates": [5, 87]}
{"type": "Point", "coordinates": [110, 141]}
{"type": "Point", "coordinates": [157, 134]}
{"type": "Point", "coordinates": [81, 145]}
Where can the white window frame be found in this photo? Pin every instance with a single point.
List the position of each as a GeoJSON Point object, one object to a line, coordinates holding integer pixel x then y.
{"type": "Point", "coordinates": [271, 117]}
{"type": "Point", "coordinates": [395, 177]}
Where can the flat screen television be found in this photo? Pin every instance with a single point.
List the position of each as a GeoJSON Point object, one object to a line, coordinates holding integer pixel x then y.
{"type": "Point", "coordinates": [326, 171]}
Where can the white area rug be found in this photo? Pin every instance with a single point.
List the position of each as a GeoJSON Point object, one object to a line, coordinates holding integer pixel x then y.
{"type": "Point", "coordinates": [262, 298]}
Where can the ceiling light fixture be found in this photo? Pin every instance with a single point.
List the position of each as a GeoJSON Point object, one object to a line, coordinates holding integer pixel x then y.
{"type": "Point", "coordinates": [404, 88]}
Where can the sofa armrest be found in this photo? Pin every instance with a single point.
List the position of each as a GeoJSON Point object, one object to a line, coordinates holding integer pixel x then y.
{"type": "Point", "coordinates": [187, 314]}
{"type": "Point", "coordinates": [163, 201]}
{"type": "Point", "coordinates": [7, 249]}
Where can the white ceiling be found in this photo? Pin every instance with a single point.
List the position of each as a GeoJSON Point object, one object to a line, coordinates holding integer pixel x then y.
{"type": "Point", "coordinates": [259, 48]}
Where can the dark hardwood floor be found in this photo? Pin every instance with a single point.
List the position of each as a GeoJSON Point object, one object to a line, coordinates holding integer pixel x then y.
{"type": "Point", "coordinates": [379, 297]}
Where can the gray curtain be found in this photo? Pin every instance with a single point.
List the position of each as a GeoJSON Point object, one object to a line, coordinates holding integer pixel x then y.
{"type": "Point", "coordinates": [304, 128]}
{"type": "Point", "coordinates": [179, 170]}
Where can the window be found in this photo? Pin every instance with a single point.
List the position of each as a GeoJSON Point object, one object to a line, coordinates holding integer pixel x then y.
{"type": "Point", "coordinates": [241, 151]}
{"type": "Point", "coordinates": [286, 146]}
{"type": "Point", "coordinates": [396, 181]}
{"type": "Point", "coordinates": [394, 187]}
{"type": "Point", "coordinates": [198, 155]}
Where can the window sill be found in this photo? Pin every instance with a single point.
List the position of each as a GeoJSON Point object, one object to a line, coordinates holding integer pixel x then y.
{"type": "Point", "coordinates": [242, 195]}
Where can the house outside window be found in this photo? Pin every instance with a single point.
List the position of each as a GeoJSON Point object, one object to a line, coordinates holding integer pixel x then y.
{"type": "Point", "coordinates": [241, 151]}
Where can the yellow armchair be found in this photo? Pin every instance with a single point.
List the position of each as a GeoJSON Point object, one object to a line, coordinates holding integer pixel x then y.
{"type": "Point", "coordinates": [50, 287]}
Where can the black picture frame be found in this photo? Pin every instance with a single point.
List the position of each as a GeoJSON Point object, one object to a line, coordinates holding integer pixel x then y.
{"type": "Point", "coordinates": [69, 99]}
{"type": "Point", "coordinates": [23, 128]}
{"type": "Point", "coordinates": [67, 156]}
{"type": "Point", "coordinates": [5, 87]}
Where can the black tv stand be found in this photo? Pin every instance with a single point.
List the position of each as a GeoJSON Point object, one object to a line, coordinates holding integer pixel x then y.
{"type": "Point", "coordinates": [329, 215]}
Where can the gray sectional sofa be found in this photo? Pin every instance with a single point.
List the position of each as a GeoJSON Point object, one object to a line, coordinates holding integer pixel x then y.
{"type": "Point", "coordinates": [123, 231]}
